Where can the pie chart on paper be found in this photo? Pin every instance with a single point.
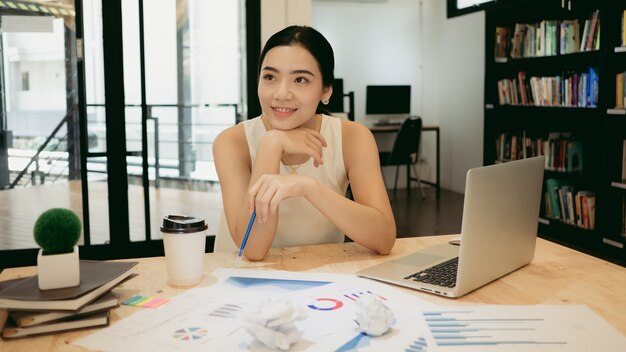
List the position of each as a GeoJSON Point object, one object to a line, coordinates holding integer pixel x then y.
{"type": "Point", "coordinates": [189, 334]}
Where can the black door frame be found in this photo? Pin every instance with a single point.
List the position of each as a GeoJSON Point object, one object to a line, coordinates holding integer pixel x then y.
{"type": "Point", "coordinates": [120, 245]}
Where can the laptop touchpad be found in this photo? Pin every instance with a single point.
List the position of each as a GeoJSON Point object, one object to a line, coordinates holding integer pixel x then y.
{"type": "Point", "coordinates": [418, 259]}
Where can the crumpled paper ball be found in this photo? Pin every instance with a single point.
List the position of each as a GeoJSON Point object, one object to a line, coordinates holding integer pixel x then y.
{"type": "Point", "coordinates": [372, 316]}
{"type": "Point", "coordinates": [273, 323]}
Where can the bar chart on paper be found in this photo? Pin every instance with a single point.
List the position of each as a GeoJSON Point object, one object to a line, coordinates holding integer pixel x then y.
{"type": "Point", "coordinates": [527, 328]}
{"type": "Point", "coordinates": [469, 328]}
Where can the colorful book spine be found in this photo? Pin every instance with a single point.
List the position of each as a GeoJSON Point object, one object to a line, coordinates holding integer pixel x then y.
{"type": "Point", "coordinates": [570, 89]}
{"type": "Point", "coordinates": [564, 203]}
{"type": "Point", "coordinates": [593, 28]}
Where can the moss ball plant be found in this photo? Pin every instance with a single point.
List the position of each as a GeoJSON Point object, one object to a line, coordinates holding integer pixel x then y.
{"type": "Point", "coordinates": [57, 231]}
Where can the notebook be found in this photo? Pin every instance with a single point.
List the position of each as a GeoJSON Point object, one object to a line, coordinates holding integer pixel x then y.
{"type": "Point", "coordinates": [498, 234]}
{"type": "Point", "coordinates": [11, 330]}
{"type": "Point", "coordinates": [96, 278]}
{"type": "Point", "coordinates": [24, 318]}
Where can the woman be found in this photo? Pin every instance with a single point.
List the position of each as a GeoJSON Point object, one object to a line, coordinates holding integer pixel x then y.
{"type": "Point", "coordinates": [293, 164]}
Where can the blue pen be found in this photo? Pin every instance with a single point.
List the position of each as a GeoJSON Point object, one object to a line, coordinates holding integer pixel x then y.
{"type": "Point", "coordinates": [245, 237]}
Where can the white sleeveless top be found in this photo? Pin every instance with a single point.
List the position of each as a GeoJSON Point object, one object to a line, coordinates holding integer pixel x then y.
{"type": "Point", "coordinates": [299, 222]}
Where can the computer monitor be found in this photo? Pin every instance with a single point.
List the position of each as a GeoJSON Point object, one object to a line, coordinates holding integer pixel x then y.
{"type": "Point", "coordinates": [388, 102]}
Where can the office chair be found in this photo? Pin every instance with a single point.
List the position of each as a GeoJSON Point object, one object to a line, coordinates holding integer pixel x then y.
{"type": "Point", "coordinates": [405, 152]}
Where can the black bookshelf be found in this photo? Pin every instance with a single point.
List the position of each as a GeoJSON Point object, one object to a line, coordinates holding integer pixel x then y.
{"type": "Point", "coordinates": [599, 127]}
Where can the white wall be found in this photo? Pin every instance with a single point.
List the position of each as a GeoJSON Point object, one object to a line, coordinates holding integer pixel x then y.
{"type": "Point", "coordinates": [278, 14]}
{"type": "Point", "coordinates": [454, 71]}
{"type": "Point", "coordinates": [374, 44]}
{"type": "Point", "coordinates": [380, 43]}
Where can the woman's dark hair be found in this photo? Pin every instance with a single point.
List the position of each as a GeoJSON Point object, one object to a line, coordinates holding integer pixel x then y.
{"type": "Point", "coordinates": [311, 40]}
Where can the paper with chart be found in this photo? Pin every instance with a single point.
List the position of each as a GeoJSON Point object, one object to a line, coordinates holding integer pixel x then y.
{"type": "Point", "coordinates": [519, 328]}
{"type": "Point", "coordinates": [210, 318]}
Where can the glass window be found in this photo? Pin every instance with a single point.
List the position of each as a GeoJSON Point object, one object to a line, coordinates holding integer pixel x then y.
{"type": "Point", "coordinates": [461, 7]}
{"type": "Point", "coordinates": [40, 164]}
{"type": "Point", "coordinates": [462, 4]}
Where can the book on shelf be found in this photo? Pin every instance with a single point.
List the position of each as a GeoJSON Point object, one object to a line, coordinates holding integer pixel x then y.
{"type": "Point", "coordinates": [521, 87]}
{"type": "Point", "coordinates": [620, 91]}
{"type": "Point", "coordinates": [596, 39]}
{"type": "Point", "coordinates": [517, 43]}
{"type": "Point", "coordinates": [540, 39]}
{"type": "Point", "coordinates": [503, 98]}
{"type": "Point", "coordinates": [552, 190]}
{"type": "Point", "coordinates": [530, 97]}
{"type": "Point", "coordinates": [588, 207]}
{"type": "Point", "coordinates": [570, 40]}
{"type": "Point", "coordinates": [585, 34]}
{"type": "Point", "coordinates": [515, 146]}
{"type": "Point", "coordinates": [563, 153]}
{"type": "Point", "coordinates": [591, 33]}
{"type": "Point", "coordinates": [571, 209]}
{"type": "Point", "coordinates": [591, 205]}
{"type": "Point", "coordinates": [30, 318]}
{"type": "Point", "coordinates": [551, 38]}
{"type": "Point", "coordinates": [530, 48]}
{"type": "Point", "coordinates": [593, 88]}
{"type": "Point", "coordinates": [563, 192]}
{"type": "Point", "coordinates": [574, 155]}
{"type": "Point", "coordinates": [548, 37]}
{"type": "Point", "coordinates": [11, 330]}
{"type": "Point", "coordinates": [578, 209]}
{"type": "Point", "coordinates": [96, 279]}
{"type": "Point", "coordinates": [502, 42]}
{"type": "Point", "coordinates": [571, 89]}
{"type": "Point", "coordinates": [565, 203]}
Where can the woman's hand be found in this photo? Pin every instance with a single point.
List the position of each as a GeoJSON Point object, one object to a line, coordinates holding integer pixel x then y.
{"type": "Point", "coordinates": [300, 141]}
{"type": "Point", "coordinates": [270, 189]}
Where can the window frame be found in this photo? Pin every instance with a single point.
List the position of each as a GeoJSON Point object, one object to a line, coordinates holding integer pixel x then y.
{"type": "Point", "coordinates": [454, 11]}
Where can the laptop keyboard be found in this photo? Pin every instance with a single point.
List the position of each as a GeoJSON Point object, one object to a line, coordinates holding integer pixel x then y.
{"type": "Point", "coordinates": [443, 274]}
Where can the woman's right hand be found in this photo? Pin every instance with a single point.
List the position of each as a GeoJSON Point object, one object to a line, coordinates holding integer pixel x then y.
{"type": "Point", "coordinates": [299, 141]}
{"type": "Point", "coordinates": [266, 194]}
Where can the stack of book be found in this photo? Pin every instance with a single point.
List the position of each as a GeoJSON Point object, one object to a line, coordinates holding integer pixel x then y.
{"type": "Point", "coordinates": [548, 37]}
{"type": "Point", "coordinates": [569, 204]}
{"type": "Point", "coordinates": [571, 89]}
{"type": "Point", "coordinates": [591, 33]}
{"type": "Point", "coordinates": [32, 311]}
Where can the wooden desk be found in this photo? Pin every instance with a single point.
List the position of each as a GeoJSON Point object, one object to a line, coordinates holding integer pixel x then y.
{"type": "Point", "coordinates": [557, 275]}
{"type": "Point", "coordinates": [396, 128]}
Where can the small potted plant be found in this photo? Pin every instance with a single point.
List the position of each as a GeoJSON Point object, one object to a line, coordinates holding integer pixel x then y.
{"type": "Point", "coordinates": [57, 231]}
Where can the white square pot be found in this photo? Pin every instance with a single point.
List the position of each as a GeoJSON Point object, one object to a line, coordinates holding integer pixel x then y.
{"type": "Point", "coordinates": [58, 270]}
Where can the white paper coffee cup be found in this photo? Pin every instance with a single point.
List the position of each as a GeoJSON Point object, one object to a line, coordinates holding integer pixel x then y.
{"type": "Point", "coordinates": [184, 242]}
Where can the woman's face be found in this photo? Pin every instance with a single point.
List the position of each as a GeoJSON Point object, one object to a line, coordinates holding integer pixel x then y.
{"type": "Point", "coordinates": [290, 87]}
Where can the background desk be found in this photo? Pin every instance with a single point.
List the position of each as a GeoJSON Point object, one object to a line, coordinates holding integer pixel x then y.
{"type": "Point", "coordinates": [396, 128]}
{"type": "Point", "coordinates": [557, 275]}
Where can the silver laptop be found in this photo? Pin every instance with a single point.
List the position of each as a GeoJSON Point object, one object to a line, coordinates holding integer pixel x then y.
{"type": "Point", "coordinates": [498, 234]}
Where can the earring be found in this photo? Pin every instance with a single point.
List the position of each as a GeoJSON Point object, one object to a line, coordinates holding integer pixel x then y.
{"type": "Point", "coordinates": [325, 101]}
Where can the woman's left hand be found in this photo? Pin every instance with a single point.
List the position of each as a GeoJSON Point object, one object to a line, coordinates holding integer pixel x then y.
{"type": "Point", "coordinates": [270, 189]}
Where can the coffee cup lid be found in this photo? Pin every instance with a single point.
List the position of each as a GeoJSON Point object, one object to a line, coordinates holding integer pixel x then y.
{"type": "Point", "coordinates": [182, 224]}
